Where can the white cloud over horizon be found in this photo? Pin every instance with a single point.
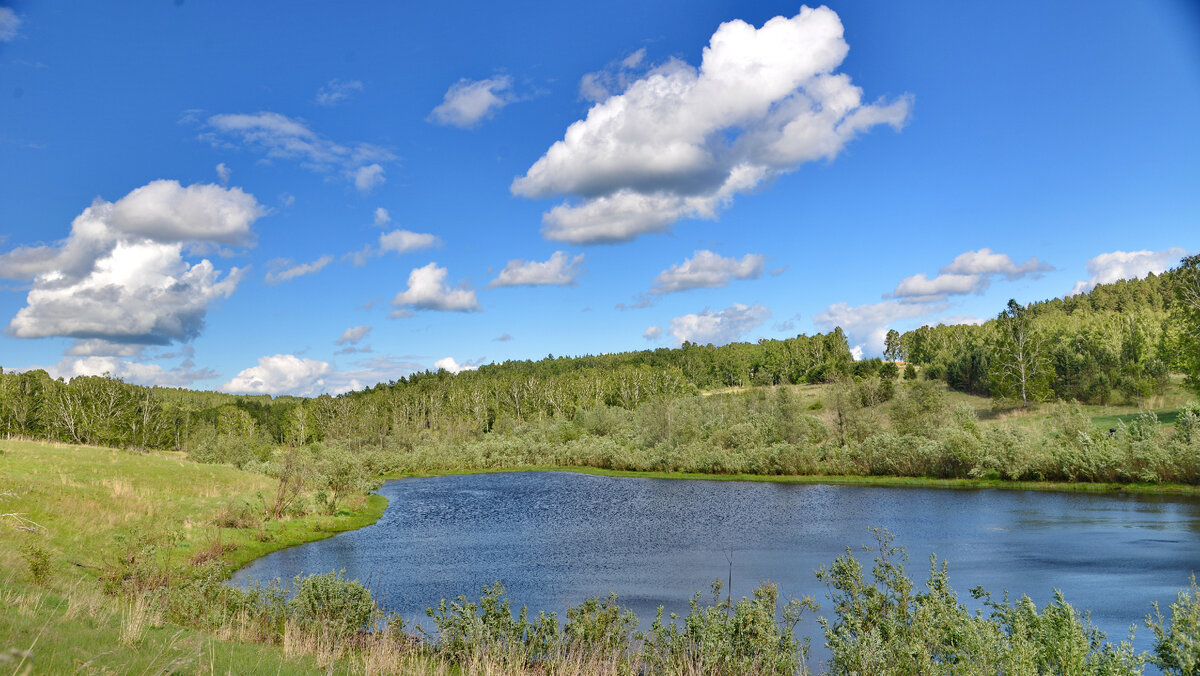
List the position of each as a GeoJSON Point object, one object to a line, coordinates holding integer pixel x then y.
{"type": "Point", "coordinates": [469, 102]}
{"type": "Point", "coordinates": [427, 290]}
{"type": "Point", "coordinates": [706, 269]}
{"type": "Point", "coordinates": [718, 328]}
{"type": "Point", "coordinates": [280, 374]}
{"type": "Point", "coordinates": [449, 364]}
{"type": "Point", "coordinates": [681, 142]}
{"type": "Point", "coordinates": [560, 270]}
{"type": "Point", "coordinates": [920, 296]}
{"type": "Point", "coordinates": [969, 272]}
{"type": "Point", "coordinates": [120, 275]}
{"type": "Point", "coordinates": [137, 373]}
{"type": "Point", "coordinates": [1107, 268]}
{"type": "Point", "coordinates": [866, 326]}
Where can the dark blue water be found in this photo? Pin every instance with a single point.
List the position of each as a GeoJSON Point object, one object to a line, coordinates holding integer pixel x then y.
{"type": "Point", "coordinates": [556, 538]}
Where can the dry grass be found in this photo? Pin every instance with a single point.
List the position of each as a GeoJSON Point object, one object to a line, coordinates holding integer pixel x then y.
{"type": "Point", "coordinates": [136, 617]}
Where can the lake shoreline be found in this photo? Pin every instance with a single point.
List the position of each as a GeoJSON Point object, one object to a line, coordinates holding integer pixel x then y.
{"type": "Point", "coordinates": [837, 480]}
{"type": "Point", "coordinates": [378, 505]}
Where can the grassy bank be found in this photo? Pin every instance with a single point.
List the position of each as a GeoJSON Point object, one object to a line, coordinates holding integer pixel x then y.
{"type": "Point", "coordinates": [89, 510]}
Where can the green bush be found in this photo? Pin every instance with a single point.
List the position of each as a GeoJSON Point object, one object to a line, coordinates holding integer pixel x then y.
{"type": "Point", "coordinates": [753, 636]}
{"type": "Point", "coordinates": [1177, 641]}
{"type": "Point", "coordinates": [883, 625]}
{"type": "Point", "coordinates": [37, 558]}
{"type": "Point", "coordinates": [920, 409]}
{"type": "Point", "coordinates": [1187, 423]}
{"type": "Point", "coordinates": [599, 626]}
{"type": "Point", "coordinates": [465, 628]}
{"type": "Point", "coordinates": [332, 604]}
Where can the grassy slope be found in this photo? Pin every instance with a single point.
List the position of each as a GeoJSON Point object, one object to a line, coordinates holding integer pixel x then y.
{"type": "Point", "coordinates": [85, 499]}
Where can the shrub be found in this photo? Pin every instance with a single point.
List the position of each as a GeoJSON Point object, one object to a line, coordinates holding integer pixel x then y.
{"type": "Point", "coordinates": [1187, 423]}
{"type": "Point", "coordinates": [1144, 427]}
{"type": "Point", "coordinates": [889, 371]}
{"type": "Point", "coordinates": [238, 514]}
{"type": "Point", "coordinates": [752, 636]}
{"type": "Point", "coordinates": [920, 409]}
{"type": "Point", "coordinates": [331, 603]}
{"type": "Point", "coordinates": [882, 624]}
{"type": "Point", "coordinates": [1177, 642]}
{"type": "Point", "coordinates": [599, 626]}
{"type": "Point", "coordinates": [465, 628]}
{"type": "Point", "coordinates": [38, 559]}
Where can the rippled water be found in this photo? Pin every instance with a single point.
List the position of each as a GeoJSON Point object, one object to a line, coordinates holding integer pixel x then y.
{"type": "Point", "coordinates": [556, 538]}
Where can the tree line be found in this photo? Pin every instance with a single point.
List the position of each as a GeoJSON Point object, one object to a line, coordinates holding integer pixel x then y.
{"type": "Point", "coordinates": [99, 410]}
{"type": "Point", "coordinates": [1117, 342]}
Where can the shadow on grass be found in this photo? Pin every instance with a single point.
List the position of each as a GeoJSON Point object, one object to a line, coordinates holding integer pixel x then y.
{"type": "Point", "coordinates": [1164, 418]}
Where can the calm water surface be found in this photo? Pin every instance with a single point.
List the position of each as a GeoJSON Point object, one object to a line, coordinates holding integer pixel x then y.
{"type": "Point", "coordinates": [556, 538]}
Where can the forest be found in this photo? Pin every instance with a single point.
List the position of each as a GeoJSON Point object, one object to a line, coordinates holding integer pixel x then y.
{"type": "Point", "coordinates": [797, 406]}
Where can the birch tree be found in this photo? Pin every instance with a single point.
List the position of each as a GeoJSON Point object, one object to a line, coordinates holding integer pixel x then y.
{"type": "Point", "coordinates": [1187, 296]}
{"type": "Point", "coordinates": [1020, 368]}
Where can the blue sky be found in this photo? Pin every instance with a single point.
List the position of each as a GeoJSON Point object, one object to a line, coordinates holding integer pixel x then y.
{"type": "Point", "coordinates": [303, 197]}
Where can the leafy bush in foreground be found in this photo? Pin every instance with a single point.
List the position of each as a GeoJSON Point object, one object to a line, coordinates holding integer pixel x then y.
{"type": "Point", "coordinates": [883, 625]}
{"type": "Point", "coordinates": [332, 604]}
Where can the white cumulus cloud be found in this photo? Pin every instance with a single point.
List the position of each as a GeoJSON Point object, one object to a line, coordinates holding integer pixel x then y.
{"type": "Point", "coordinates": [281, 374]}
{"type": "Point", "coordinates": [867, 325]}
{"type": "Point", "coordinates": [721, 327]}
{"type": "Point", "coordinates": [449, 364]}
{"type": "Point", "coordinates": [986, 262]}
{"type": "Point", "coordinates": [560, 270]}
{"type": "Point", "coordinates": [1117, 265]}
{"type": "Point", "coordinates": [427, 290]}
{"type": "Point", "coordinates": [969, 272]}
{"type": "Point", "coordinates": [468, 102]}
{"type": "Point", "coordinates": [919, 288]}
{"type": "Point", "coordinates": [367, 178]}
{"type": "Point", "coordinates": [682, 141]}
{"type": "Point", "coordinates": [653, 332]}
{"type": "Point", "coordinates": [130, 371]}
{"type": "Point", "coordinates": [403, 241]}
{"type": "Point", "coordinates": [120, 275]}
{"type": "Point", "coordinates": [223, 173]}
{"type": "Point", "coordinates": [706, 269]}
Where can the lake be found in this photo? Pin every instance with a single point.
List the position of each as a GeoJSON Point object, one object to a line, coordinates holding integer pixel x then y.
{"type": "Point", "coordinates": [556, 538]}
